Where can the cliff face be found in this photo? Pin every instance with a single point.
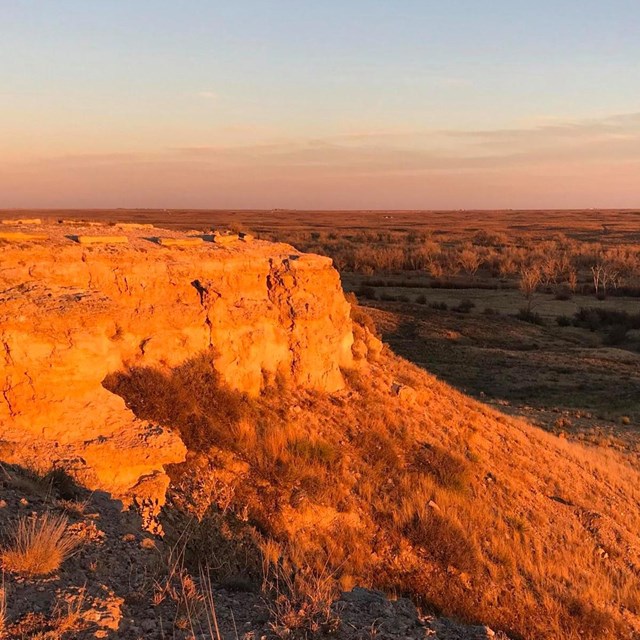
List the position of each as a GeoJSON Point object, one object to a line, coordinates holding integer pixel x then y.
{"type": "Point", "coordinates": [72, 313]}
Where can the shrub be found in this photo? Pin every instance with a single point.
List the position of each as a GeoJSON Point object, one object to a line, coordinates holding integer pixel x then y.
{"type": "Point", "coordinates": [39, 545]}
{"type": "Point", "coordinates": [421, 299]}
{"type": "Point", "coordinates": [443, 540]}
{"type": "Point", "coordinates": [191, 398]}
{"type": "Point", "coordinates": [465, 306]}
{"type": "Point", "coordinates": [61, 483]}
{"type": "Point", "coordinates": [301, 600]}
{"type": "Point", "coordinates": [368, 293]}
{"type": "Point", "coordinates": [596, 318]}
{"type": "Point", "coordinates": [529, 316]}
{"type": "Point", "coordinates": [616, 334]}
{"type": "Point", "coordinates": [448, 470]}
{"type": "Point", "coordinates": [564, 321]}
{"type": "Point", "coordinates": [439, 306]}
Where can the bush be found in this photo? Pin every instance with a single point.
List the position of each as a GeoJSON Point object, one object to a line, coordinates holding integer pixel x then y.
{"type": "Point", "coordinates": [444, 541]}
{"type": "Point", "coordinates": [190, 398]}
{"type": "Point", "coordinates": [563, 295]}
{"type": "Point", "coordinates": [529, 316]}
{"type": "Point", "coordinates": [449, 471]}
{"type": "Point", "coordinates": [597, 319]}
{"type": "Point", "coordinates": [564, 321]}
{"type": "Point", "coordinates": [439, 306]}
{"type": "Point", "coordinates": [301, 598]}
{"type": "Point", "coordinates": [368, 293]}
{"type": "Point", "coordinates": [421, 299]}
{"type": "Point", "coordinates": [616, 334]}
{"type": "Point", "coordinates": [465, 306]}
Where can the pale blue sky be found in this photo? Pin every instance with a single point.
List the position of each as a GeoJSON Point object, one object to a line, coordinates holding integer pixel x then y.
{"type": "Point", "coordinates": [275, 88]}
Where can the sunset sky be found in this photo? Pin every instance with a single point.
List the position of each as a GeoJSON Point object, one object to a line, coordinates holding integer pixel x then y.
{"type": "Point", "coordinates": [403, 104]}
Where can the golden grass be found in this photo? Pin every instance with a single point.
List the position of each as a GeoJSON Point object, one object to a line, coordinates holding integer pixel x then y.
{"type": "Point", "coordinates": [39, 545]}
{"type": "Point", "coordinates": [475, 514]}
{"type": "Point", "coordinates": [3, 607]}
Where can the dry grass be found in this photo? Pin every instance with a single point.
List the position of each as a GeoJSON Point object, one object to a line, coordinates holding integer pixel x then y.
{"type": "Point", "coordinates": [3, 607]}
{"type": "Point", "coordinates": [300, 599]}
{"type": "Point", "coordinates": [39, 545]}
{"type": "Point", "coordinates": [65, 621]}
{"type": "Point", "coordinates": [476, 515]}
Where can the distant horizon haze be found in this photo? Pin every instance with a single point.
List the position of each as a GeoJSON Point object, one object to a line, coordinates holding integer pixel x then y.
{"type": "Point", "coordinates": [370, 104]}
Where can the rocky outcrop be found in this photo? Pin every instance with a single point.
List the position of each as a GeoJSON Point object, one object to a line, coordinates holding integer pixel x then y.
{"type": "Point", "coordinates": [71, 313]}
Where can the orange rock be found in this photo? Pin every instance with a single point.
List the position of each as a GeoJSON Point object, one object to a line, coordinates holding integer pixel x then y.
{"type": "Point", "coordinates": [15, 221]}
{"type": "Point", "coordinates": [18, 236]}
{"type": "Point", "coordinates": [103, 239]}
{"type": "Point", "coordinates": [70, 316]}
{"type": "Point", "coordinates": [180, 242]}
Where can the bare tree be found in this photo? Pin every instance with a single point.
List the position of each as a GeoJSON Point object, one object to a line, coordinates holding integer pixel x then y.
{"type": "Point", "coordinates": [549, 270]}
{"type": "Point", "coordinates": [596, 273]}
{"type": "Point", "coordinates": [610, 276]}
{"type": "Point", "coordinates": [530, 278]}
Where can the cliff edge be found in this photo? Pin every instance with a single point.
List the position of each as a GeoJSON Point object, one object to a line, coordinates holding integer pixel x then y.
{"type": "Point", "coordinates": [78, 302]}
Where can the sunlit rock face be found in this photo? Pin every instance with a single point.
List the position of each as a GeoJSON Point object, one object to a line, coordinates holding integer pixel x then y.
{"type": "Point", "coordinates": [72, 313]}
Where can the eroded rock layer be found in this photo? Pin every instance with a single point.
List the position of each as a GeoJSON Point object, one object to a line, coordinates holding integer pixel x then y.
{"type": "Point", "coordinates": [72, 313]}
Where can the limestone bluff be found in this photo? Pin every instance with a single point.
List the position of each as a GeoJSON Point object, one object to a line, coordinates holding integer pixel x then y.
{"type": "Point", "coordinates": [71, 313]}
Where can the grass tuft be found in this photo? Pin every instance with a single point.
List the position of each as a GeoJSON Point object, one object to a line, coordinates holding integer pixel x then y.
{"type": "Point", "coordinates": [39, 545]}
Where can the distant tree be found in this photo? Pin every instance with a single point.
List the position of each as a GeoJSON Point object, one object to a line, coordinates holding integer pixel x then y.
{"type": "Point", "coordinates": [549, 270]}
{"type": "Point", "coordinates": [596, 274]}
{"type": "Point", "coordinates": [610, 277]}
{"type": "Point", "coordinates": [530, 278]}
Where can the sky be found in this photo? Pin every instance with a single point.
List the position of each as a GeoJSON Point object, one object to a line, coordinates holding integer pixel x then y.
{"type": "Point", "coordinates": [339, 104]}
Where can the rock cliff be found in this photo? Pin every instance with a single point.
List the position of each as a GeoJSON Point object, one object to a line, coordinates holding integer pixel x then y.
{"type": "Point", "coordinates": [76, 306]}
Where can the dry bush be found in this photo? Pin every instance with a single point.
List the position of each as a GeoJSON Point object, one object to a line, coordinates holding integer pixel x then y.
{"type": "Point", "coordinates": [449, 471]}
{"type": "Point", "coordinates": [68, 616]}
{"type": "Point", "coordinates": [39, 545]}
{"type": "Point", "coordinates": [190, 398]}
{"type": "Point", "coordinates": [443, 540]}
{"type": "Point", "coordinates": [300, 600]}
